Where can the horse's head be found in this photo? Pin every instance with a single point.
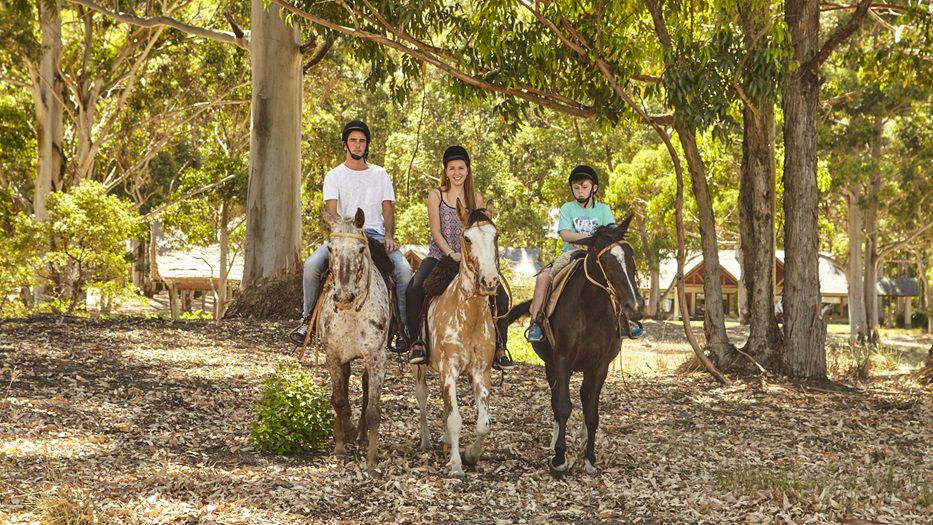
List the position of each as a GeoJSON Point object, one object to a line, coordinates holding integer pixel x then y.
{"type": "Point", "coordinates": [479, 249]}
{"type": "Point", "coordinates": [349, 258]}
{"type": "Point", "coordinates": [617, 260]}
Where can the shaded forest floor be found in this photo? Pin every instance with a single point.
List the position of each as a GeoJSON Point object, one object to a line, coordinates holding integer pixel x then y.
{"type": "Point", "coordinates": [146, 421]}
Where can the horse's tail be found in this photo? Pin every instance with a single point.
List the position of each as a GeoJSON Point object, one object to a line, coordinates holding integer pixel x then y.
{"type": "Point", "coordinates": [518, 310]}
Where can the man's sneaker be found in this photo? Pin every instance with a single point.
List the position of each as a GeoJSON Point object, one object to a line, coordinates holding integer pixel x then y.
{"type": "Point", "coordinates": [635, 331]}
{"type": "Point", "coordinates": [419, 354]}
{"type": "Point", "coordinates": [400, 346]}
{"type": "Point", "coordinates": [298, 335]}
{"type": "Point", "coordinates": [534, 334]}
{"type": "Point", "coordinates": [503, 362]}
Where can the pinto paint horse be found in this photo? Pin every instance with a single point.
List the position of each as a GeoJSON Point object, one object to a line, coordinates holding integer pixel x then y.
{"type": "Point", "coordinates": [588, 324]}
{"type": "Point", "coordinates": [462, 337]}
{"type": "Point", "coordinates": [354, 324]}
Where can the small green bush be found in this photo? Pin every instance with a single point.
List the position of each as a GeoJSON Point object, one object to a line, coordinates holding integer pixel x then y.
{"type": "Point", "coordinates": [293, 413]}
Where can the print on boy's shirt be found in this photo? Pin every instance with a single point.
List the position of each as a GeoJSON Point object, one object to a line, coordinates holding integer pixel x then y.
{"type": "Point", "coordinates": [585, 224]}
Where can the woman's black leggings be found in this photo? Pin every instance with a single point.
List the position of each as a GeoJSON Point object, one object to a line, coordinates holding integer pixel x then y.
{"type": "Point", "coordinates": [415, 302]}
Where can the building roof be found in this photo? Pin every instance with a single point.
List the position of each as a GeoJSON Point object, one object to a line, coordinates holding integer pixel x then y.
{"type": "Point", "coordinates": [832, 278]}
{"type": "Point", "coordinates": [898, 286]}
{"type": "Point", "coordinates": [196, 262]}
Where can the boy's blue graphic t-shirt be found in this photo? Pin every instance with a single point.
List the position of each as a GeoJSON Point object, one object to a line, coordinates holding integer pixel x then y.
{"type": "Point", "coordinates": [583, 220]}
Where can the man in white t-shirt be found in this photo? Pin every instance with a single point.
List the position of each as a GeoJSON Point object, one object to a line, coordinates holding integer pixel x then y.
{"type": "Point", "coordinates": [351, 185]}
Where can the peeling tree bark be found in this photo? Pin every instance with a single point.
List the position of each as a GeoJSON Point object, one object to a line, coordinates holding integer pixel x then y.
{"type": "Point", "coordinates": [857, 322]}
{"type": "Point", "coordinates": [804, 328]}
{"type": "Point", "coordinates": [273, 232]}
{"type": "Point", "coordinates": [756, 220]}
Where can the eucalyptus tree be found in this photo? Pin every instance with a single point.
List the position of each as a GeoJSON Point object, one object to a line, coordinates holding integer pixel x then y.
{"type": "Point", "coordinates": [876, 87]}
{"type": "Point", "coordinates": [273, 229]}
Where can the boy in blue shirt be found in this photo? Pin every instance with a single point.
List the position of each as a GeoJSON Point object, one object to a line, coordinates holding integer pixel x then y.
{"type": "Point", "coordinates": [579, 218]}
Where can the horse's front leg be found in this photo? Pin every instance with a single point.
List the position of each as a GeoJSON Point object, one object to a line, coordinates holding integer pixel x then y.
{"type": "Point", "coordinates": [560, 404]}
{"type": "Point", "coordinates": [593, 381]}
{"type": "Point", "coordinates": [339, 399]}
{"type": "Point", "coordinates": [454, 420]}
{"type": "Point", "coordinates": [373, 409]}
{"type": "Point", "coordinates": [481, 393]}
{"type": "Point", "coordinates": [420, 373]}
{"type": "Point", "coordinates": [362, 425]}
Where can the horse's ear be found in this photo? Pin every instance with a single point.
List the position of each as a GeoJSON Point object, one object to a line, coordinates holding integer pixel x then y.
{"type": "Point", "coordinates": [329, 218]}
{"type": "Point", "coordinates": [360, 218]}
{"type": "Point", "coordinates": [462, 213]}
{"type": "Point", "coordinates": [491, 210]}
{"type": "Point", "coordinates": [623, 224]}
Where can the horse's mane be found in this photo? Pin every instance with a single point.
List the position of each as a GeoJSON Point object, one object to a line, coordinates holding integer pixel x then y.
{"type": "Point", "coordinates": [608, 234]}
{"type": "Point", "coordinates": [477, 215]}
{"type": "Point", "coordinates": [447, 268]}
{"type": "Point", "coordinates": [440, 277]}
{"type": "Point", "coordinates": [381, 257]}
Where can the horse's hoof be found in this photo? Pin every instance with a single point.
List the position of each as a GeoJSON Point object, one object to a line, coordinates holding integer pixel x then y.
{"type": "Point", "coordinates": [340, 451]}
{"type": "Point", "coordinates": [425, 445]}
{"type": "Point", "coordinates": [590, 468]}
{"type": "Point", "coordinates": [469, 459]}
{"type": "Point", "coordinates": [457, 473]}
{"type": "Point", "coordinates": [562, 468]}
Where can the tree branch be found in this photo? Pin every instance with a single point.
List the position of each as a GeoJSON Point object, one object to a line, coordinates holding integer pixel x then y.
{"type": "Point", "coordinates": [319, 54]}
{"type": "Point", "coordinates": [551, 100]}
{"type": "Point", "coordinates": [241, 40]}
{"type": "Point", "coordinates": [843, 32]}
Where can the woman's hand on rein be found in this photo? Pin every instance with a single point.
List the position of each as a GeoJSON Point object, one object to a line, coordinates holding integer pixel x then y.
{"type": "Point", "coordinates": [456, 256]}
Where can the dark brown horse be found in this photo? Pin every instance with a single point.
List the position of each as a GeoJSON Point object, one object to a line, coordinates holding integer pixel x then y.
{"type": "Point", "coordinates": [588, 323]}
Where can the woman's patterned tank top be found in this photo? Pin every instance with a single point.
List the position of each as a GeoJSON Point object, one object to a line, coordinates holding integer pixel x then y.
{"type": "Point", "coordinates": [451, 229]}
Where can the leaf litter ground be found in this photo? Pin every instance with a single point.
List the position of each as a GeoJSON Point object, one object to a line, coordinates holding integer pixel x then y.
{"type": "Point", "coordinates": [147, 421]}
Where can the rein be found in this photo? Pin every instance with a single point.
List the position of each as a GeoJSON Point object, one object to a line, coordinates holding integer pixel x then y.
{"type": "Point", "coordinates": [621, 318]}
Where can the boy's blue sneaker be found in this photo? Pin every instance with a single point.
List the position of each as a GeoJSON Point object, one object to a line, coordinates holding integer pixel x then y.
{"type": "Point", "coordinates": [635, 331]}
{"type": "Point", "coordinates": [533, 333]}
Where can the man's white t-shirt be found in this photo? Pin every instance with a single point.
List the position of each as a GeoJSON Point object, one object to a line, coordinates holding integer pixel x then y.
{"type": "Point", "coordinates": [364, 189]}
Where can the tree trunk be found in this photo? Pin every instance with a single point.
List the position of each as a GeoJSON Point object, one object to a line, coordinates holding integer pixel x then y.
{"type": "Point", "coordinates": [273, 229]}
{"type": "Point", "coordinates": [714, 322]}
{"type": "Point", "coordinates": [651, 309]}
{"type": "Point", "coordinates": [804, 328]}
{"type": "Point", "coordinates": [741, 291]}
{"type": "Point", "coordinates": [926, 297]}
{"type": "Point", "coordinates": [857, 322]}
{"type": "Point", "coordinates": [871, 238]}
{"type": "Point", "coordinates": [48, 95]}
{"type": "Point", "coordinates": [756, 220]}
{"type": "Point", "coordinates": [220, 295]}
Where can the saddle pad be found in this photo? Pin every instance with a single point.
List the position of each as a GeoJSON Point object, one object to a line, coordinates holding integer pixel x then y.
{"type": "Point", "coordinates": [558, 284]}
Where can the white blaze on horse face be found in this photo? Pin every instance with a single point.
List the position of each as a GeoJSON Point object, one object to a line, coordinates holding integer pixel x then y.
{"type": "Point", "coordinates": [346, 261]}
{"type": "Point", "coordinates": [619, 254]}
{"type": "Point", "coordinates": [483, 249]}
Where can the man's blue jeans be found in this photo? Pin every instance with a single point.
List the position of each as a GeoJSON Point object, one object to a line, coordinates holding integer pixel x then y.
{"type": "Point", "coordinates": [317, 262]}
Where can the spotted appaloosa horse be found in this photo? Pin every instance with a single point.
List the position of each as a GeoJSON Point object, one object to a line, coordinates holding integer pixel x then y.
{"type": "Point", "coordinates": [588, 324]}
{"type": "Point", "coordinates": [462, 337]}
{"type": "Point", "coordinates": [354, 324]}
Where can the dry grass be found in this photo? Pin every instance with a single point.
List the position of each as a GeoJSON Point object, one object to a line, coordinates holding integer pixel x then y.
{"type": "Point", "coordinates": [68, 506]}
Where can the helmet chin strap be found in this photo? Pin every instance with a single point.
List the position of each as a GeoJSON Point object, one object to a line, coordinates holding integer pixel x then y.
{"type": "Point", "coordinates": [585, 201]}
{"type": "Point", "coordinates": [354, 156]}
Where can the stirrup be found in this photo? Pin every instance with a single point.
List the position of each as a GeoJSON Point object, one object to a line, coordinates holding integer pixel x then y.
{"type": "Point", "coordinates": [418, 346]}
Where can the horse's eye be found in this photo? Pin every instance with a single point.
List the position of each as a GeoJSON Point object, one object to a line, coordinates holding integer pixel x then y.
{"type": "Point", "coordinates": [467, 239]}
{"type": "Point", "coordinates": [362, 250]}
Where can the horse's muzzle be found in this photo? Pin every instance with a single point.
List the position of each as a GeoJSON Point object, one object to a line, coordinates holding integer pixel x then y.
{"type": "Point", "coordinates": [344, 300]}
{"type": "Point", "coordinates": [488, 286]}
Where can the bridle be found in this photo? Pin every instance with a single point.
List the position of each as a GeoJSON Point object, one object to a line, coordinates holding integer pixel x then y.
{"type": "Point", "coordinates": [368, 256]}
{"type": "Point", "coordinates": [621, 318]}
